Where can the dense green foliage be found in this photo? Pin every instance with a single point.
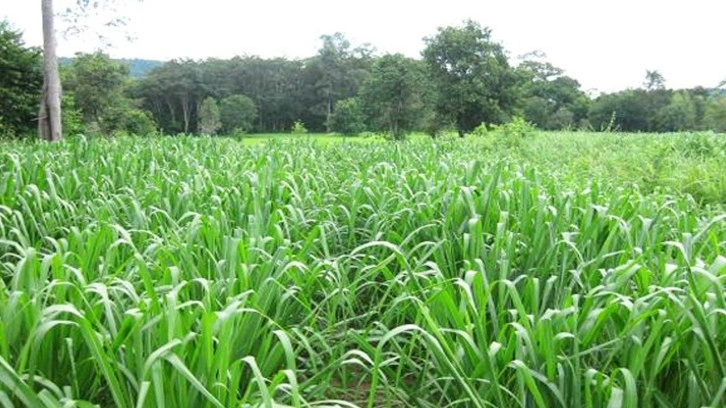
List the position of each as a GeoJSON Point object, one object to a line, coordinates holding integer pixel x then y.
{"type": "Point", "coordinates": [571, 270]}
{"type": "Point", "coordinates": [464, 78]}
{"type": "Point", "coordinates": [551, 100]}
{"type": "Point", "coordinates": [238, 113]}
{"type": "Point", "coordinates": [21, 80]}
{"type": "Point", "coordinates": [138, 122]}
{"type": "Point", "coordinates": [138, 68]}
{"type": "Point", "coordinates": [347, 118]}
{"type": "Point", "coordinates": [394, 95]}
{"type": "Point", "coordinates": [100, 87]}
{"type": "Point", "coordinates": [472, 76]}
{"type": "Point", "coordinates": [337, 73]}
{"type": "Point", "coordinates": [283, 91]}
{"type": "Point", "coordinates": [654, 110]}
{"type": "Point", "coordinates": [467, 79]}
{"type": "Point", "coordinates": [715, 115]}
{"type": "Point", "coordinates": [96, 83]}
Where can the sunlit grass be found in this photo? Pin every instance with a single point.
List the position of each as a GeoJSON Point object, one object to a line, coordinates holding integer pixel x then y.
{"type": "Point", "coordinates": [184, 272]}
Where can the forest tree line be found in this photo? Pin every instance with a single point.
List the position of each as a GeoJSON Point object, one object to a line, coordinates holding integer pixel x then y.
{"type": "Point", "coordinates": [463, 79]}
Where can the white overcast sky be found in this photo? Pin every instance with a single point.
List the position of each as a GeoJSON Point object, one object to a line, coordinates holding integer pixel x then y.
{"type": "Point", "coordinates": [606, 44]}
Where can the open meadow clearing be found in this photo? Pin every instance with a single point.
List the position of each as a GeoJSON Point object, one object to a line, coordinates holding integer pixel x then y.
{"type": "Point", "coordinates": [571, 270]}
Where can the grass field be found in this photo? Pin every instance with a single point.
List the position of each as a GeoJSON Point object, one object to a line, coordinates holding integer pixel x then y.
{"type": "Point", "coordinates": [320, 138]}
{"type": "Point", "coordinates": [573, 270]}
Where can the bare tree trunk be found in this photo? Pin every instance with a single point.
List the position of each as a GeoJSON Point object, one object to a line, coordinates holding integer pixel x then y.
{"type": "Point", "coordinates": [330, 107]}
{"type": "Point", "coordinates": [186, 111]}
{"type": "Point", "coordinates": [172, 111]}
{"type": "Point", "coordinates": [49, 120]}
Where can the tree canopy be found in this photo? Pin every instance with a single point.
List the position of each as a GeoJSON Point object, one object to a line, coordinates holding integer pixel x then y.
{"type": "Point", "coordinates": [474, 81]}
{"type": "Point", "coordinates": [347, 118]}
{"type": "Point", "coordinates": [550, 99]}
{"type": "Point", "coordinates": [463, 79]}
{"type": "Point", "coordinates": [394, 94]}
{"type": "Point", "coordinates": [238, 113]}
{"type": "Point", "coordinates": [21, 77]}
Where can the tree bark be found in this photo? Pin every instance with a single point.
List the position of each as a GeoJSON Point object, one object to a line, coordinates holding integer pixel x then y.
{"type": "Point", "coordinates": [330, 107]}
{"type": "Point", "coordinates": [172, 111]}
{"type": "Point", "coordinates": [49, 118]}
{"type": "Point", "coordinates": [186, 111]}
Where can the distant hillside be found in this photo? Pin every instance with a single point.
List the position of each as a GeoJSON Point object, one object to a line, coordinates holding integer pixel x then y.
{"type": "Point", "coordinates": [137, 67]}
{"type": "Point", "coordinates": [140, 67]}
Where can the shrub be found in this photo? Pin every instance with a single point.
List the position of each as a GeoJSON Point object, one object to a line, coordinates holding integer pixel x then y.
{"type": "Point", "coordinates": [433, 125]}
{"type": "Point", "coordinates": [347, 117]}
{"type": "Point", "coordinates": [138, 122]}
{"type": "Point", "coordinates": [480, 131]}
{"type": "Point", "coordinates": [511, 134]}
{"type": "Point", "coordinates": [238, 133]}
{"type": "Point", "coordinates": [71, 117]}
{"type": "Point", "coordinates": [237, 112]}
{"type": "Point", "coordinates": [298, 128]}
{"type": "Point", "coordinates": [507, 135]}
{"type": "Point", "coordinates": [209, 117]}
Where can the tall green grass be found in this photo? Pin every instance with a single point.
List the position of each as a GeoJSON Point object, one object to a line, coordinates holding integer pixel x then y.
{"type": "Point", "coordinates": [180, 272]}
